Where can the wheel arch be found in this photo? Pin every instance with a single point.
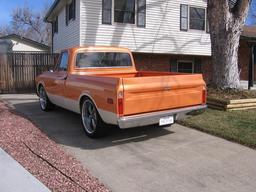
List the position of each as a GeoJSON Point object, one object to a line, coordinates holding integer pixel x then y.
{"type": "Point", "coordinates": [83, 97]}
{"type": "Point", "coordinates": [39, 84]}
{"type": "Point", "coordinates": [107, 117]}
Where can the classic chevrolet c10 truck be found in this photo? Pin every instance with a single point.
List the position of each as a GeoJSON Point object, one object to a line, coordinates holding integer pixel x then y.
{"type": "Point", "coordinates": [103, 85]}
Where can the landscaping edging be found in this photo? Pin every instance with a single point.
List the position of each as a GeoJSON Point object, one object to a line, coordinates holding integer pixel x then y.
{"type": "Point", "coordinates": [231, 105]}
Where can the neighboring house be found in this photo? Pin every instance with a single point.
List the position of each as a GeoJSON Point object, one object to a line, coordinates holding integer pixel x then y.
{"type": "Point", "coordinates": [247, 53]}
{"type": "Point", "coordinates": [22, 44]}
{"type": "Point", "coordinates": [164, 35]}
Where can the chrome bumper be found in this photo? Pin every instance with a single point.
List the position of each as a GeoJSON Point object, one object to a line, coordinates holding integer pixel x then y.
{"type": "Point", "coordinates": [153, 118]}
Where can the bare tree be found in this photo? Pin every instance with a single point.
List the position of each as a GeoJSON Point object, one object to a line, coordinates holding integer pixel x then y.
{"type": "Point", "coordinates": [27, 23]}
{"type": "Point", "coordinates": [4, 30]}
{"type": "Point", "coordinates": [226, 21]}
{"type": "Point", "coordinates": [31, 24]}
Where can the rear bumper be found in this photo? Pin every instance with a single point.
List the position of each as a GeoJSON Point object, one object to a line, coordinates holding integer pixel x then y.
{"type": "Point", "coordinates": [153, 118]}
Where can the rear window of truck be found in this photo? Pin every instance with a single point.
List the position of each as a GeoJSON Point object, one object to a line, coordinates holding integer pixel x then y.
{"type": "Point", "coordinates": [103, 59]}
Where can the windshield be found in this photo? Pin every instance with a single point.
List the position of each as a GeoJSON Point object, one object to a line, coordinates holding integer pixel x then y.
{"type": "Point", "coordinates": [103, 59]}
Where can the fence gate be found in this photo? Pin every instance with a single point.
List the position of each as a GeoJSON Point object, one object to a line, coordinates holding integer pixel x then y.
{"type": "Point", "coordinates": [19, 70]}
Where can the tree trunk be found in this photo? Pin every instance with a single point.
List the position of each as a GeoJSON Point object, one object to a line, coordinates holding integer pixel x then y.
{"type": "Point", "coordinates": [226, 26]}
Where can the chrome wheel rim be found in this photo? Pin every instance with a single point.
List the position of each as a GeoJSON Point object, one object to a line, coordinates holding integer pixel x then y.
{"type": "Point", "coordinates": [89, 117]}
{"type": "Point", "coordinates": [42, 98]}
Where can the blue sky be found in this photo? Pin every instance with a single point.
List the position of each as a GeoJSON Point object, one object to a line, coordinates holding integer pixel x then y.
{"type": "Point", "coordinates": [251, 19]}
{"type": "Point", "coordinates": [8, 5]}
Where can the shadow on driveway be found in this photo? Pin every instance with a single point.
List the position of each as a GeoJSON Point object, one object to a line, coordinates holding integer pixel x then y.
{"type": "Point", "coordinates": [65, 128]}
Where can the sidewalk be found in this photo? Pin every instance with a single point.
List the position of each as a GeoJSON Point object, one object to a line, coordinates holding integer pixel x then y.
{"type": "Point", "coordinates": [15, 178]}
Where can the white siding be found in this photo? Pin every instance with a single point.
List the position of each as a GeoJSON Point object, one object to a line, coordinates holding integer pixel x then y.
{"type": "Point", "coordinates": [21, 46]}
{"type": "Point", "coordinates": [161, 35]}
{"type": "Point", "coordinates": [67, 36]}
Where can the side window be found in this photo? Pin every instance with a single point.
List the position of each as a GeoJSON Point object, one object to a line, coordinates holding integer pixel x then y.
{"type": "Point", "coordinates": [197, 18]}
{"type": "Point", "coordinates": [70, 11]}
{"type": "Point", "coordinates": [63, 62]}
{"type": "Point", "coordinates": [124, 11]}
{"type": "Point", "coordinates": [193, 18]}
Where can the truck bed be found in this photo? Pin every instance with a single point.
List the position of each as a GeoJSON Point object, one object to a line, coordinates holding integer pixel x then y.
{"type": "Point", "coordinates": [155, 91]}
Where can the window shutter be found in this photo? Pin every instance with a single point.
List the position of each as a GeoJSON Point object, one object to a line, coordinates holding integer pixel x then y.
{"type": "Point", "coordinates": [141, 13]}
{"type": "Point", "coordinates": [67, 14]}
{"type": "Point", "coordinates": [173, 64]}
{"type": "Point", "coordinates": [107, 12]}
{"type": "Point", "coordinates": [184, 17]}
{"type": "Point", "coordinates": [197, 65]}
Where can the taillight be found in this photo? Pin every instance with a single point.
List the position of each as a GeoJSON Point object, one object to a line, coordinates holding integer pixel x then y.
{"type": "Point", "coordinates": [204, 95]}
{"type": "Point", "coordinates": [120, 107]}
{"type": "Point", "coordinates": [120, 100]}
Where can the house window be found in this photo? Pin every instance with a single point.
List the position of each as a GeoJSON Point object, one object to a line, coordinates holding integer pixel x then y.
{"type": "Point", "coordinates": [192, 18]}
{"type": "Point", "coordinates": [55, 25]}
{"type": "Point", "coordinates": [124, 11]}
{"type": "Point", "coordinates": [141, 13]}
{"type": "Point", "coordinates": [71, 11]}
{"type": "Point", "coordinates": [185, 67]}
{"type": "Point", "coordinates": [197, 18]}
{"type": "Point", "coordinates": [106, 11]}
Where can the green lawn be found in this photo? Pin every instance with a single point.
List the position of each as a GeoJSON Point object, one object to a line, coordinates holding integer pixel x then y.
{"type": "Point", "coordinates": [237, 126]}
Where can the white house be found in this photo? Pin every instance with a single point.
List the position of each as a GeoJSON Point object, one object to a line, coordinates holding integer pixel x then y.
{"type": "Point", "coordinates": [163, 34]}
{"type": "Point", "coordinates": [22, 44]}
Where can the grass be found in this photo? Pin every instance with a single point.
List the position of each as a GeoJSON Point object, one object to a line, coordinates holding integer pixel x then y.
{"type": "Point", "coordinates": [237, 126]}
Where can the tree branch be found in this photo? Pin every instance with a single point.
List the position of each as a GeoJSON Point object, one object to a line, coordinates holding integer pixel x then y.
{"type": "Point", "coordinates": [241, 8]}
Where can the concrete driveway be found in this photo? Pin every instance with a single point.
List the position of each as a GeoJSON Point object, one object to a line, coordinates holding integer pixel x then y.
{"type": "Point", "coordinates": [151, 158]}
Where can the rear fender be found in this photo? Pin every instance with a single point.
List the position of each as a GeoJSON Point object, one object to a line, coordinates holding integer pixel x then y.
{"type": "Point", "coordinates": [107, 116]}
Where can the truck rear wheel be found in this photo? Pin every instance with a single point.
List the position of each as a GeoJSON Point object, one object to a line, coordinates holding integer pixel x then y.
{"type": "Point", "coordinates": [93, 125]}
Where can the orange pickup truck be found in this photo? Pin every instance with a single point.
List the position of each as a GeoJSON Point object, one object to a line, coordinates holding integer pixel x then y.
{"type": "Point", "coordinates": [103, 85]}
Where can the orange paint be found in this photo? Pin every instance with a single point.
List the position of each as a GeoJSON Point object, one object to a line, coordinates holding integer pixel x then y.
{"type": "Point", "coordinates": [142, 92]}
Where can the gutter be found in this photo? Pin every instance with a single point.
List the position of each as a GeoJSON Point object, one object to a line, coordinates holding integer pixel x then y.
{"type": "Point", "coordinates": [54, 5]}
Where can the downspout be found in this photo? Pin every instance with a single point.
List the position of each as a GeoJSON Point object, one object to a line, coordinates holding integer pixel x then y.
{"type": "Point", "coordinates": [52, 36]}
{"type": "Point", "coordinates": [251, 67]}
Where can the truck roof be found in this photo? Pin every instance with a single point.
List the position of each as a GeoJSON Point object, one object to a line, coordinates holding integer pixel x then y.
{"type": "Point", "coordinates": [99, 48]}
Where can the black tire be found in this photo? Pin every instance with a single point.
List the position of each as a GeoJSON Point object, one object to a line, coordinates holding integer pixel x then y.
{"type": "Point", "coordinates": [94, 126]}
{"type": "Point", "coordinates": [45, 103]}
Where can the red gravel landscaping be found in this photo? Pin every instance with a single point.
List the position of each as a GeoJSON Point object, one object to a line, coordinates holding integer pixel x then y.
{"type": "Point", "coordinates": [42, 157]}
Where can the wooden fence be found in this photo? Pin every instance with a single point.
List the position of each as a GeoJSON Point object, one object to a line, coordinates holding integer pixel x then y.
{"type": "Point", "coordinates": [19, 70]}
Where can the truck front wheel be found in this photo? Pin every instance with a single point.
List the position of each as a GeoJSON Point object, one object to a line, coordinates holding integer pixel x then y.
{"type": "Point", "coordinates": [93, 125]}
{"type": "Point", "coordinates": [44, 101]}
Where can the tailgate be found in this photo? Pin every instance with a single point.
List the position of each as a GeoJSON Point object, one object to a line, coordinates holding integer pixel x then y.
{"type": "Point", "coordinates": [156, 93]}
